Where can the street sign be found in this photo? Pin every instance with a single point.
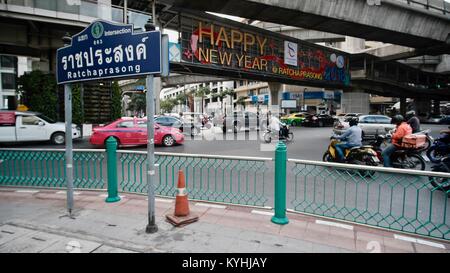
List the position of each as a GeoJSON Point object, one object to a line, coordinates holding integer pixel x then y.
{"type": "Point", "coordinates": [288, 104]}
{"type": "Point", "coordinates": [106, 50]}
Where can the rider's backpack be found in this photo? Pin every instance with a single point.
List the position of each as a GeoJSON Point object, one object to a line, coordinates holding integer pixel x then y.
{"type": "Point", "coordinates": [414, 141]}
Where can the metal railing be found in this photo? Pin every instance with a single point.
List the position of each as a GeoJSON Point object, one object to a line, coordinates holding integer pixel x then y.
{"type": "Point", "coordinates": [86, 11]}
{"type": "Point", "coordinates": [440, 6]}
{"type": "Point", "coordinates": [223, 179]}
{"type": "Point", "coordinates": [45, 168]}
{"type": "Point", "coordinates": [402, 200]}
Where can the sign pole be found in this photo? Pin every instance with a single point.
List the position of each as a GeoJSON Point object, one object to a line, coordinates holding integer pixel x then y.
{"type": "Point", "coordinates": [151, 226]}
{"type": "Point", "coordinates": [69, 146]}
{"type": "Point", "coordinates": [68, 135]}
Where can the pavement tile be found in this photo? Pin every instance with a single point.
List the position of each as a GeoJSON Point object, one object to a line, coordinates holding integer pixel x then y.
{"type": "Point", "coordinates": [110, 249]}
{"type": "Point", "coordinates": [30, 243]}
{"type": "Point", "coordinates": [341, 242]}
{"type": "Point", "coordinates": [9, 233]}
{"type": "Point", "coordinates": [370, 246]}
{"type": "Point", "coordinates": [420, 248]}
{"type": "Point", "coordinates": [396, 244]}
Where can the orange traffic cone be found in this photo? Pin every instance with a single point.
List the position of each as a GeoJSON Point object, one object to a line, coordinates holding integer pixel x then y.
{"type": "Point", "coordinates": [182, 214]}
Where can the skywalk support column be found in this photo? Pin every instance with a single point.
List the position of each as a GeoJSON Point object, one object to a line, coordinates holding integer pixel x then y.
{"type": "Point", "coordinates": [275, 96]}
{"type": "Point", "coordinates": [355, 102]}
{"type": "Point", "coordinates": [403, 106]}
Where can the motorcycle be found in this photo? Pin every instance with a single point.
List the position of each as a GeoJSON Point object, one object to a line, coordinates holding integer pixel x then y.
{"type": "Point", "coordinates": [441, 183]}
{"type": "Point", "coordinates": [402, 158]}
{"type": "Point", "coordinates": [440, 147]}
{"type": "Point", "coordinates": [207, 122]}
{"type": "Point", "coordinates": [359, 155]}
{"type": "Point", "coordinates": [269, 134]}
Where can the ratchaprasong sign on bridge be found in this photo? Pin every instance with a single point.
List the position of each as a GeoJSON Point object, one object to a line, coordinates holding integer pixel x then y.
{"type": "Point", "coordinates": [223, 45]}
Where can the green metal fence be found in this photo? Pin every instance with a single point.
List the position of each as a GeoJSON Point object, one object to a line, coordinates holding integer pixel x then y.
{"type": "Point", "coordinates": [224, 179]}
{"type": "Point", "coordinates": [45, 168]}
{"type": "Point", "coordinates": [402, 200]}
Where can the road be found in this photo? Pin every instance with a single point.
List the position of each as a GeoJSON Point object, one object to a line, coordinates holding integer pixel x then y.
{"type": "Point", "coordinates": [309, 143]}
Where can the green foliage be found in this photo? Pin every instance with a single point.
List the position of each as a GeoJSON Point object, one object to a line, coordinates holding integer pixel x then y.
{"type": "Point", "coordinates": [77, 113]}
{"type": "Point", "coordinates": [116, 100]}
{"type": "Point", "coordinates": [138, 103]}
{"type": "Point", "coordinates": [39, 93]}
{"type": "Point", "coordinates": [167, 105]}
{"type": "Point", "coordinates": [202, 91]}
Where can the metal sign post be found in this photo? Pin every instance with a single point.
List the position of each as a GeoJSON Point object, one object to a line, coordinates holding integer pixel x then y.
{"type": "Point", "coordinates": [150, 98]}
{"type": "Point", "coordinates": [68, 135]}
{"type": "Point", "coordinates": [69, 151]}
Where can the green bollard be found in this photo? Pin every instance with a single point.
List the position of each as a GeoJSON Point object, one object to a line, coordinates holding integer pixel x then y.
{"type": "Point", "coordinates": [280, 184]}
{"type": "Point", "coordinates": [111, 159]}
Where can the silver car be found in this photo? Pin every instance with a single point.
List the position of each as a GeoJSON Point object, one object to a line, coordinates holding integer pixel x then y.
{"type": "Point", "coordinates": [370, 125]}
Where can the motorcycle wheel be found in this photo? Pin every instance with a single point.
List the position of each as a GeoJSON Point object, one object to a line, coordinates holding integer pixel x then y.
{"type": "Point", "coordinates": [267, 137]}
{"type": "Point", "coordinates": [442, 184]}
{"type": "Point", "coordinates": [410, 161]}
{"type": "Point", "coordinates": [327, 157]}
{"type": "Point", "coordinates": [290, 137]}
{"type": "Point", "coordinates": [434, 155]}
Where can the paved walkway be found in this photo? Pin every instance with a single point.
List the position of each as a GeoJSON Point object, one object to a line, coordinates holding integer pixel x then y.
{"type": "Point", "coordinates": [34, 221]}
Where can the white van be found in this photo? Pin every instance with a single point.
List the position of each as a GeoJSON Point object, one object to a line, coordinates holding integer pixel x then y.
{"type": "Point", "coordinates": [16, 126]}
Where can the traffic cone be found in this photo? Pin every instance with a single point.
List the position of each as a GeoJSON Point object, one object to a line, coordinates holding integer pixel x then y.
{"type": "Point", "coordinates": [182, 215]}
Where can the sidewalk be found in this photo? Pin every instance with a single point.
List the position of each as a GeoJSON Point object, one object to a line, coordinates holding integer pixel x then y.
{"type": "Point", "coordinates": [33, 220]}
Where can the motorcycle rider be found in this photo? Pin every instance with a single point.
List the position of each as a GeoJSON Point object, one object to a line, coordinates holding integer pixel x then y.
{"type": "Point", "coordinates": [353, 137]}
{"type": "Point", "coordinates": [276, 125]}
{"type": "Point", "coordinates": [414, 122]}
{"type": "Point", "coordinates": [402, 129]}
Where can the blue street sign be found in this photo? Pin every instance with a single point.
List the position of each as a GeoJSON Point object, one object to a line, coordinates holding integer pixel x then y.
{"type": "Point", "coordinates": [106, 50]}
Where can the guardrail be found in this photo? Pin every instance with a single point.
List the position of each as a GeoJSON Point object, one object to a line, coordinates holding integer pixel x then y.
{"type": "Point", "coordinates": [440, 6]}
{"type": "Point", "coordinates": [223, 179]}
{"type": "Point", "coordinates": [45, 168]}
{"type": "Point", "coordinates": [402, 200]}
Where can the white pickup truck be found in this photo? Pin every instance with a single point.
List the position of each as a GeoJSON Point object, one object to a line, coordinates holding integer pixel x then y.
{"type": "Point", "coordinates": [16, 126]}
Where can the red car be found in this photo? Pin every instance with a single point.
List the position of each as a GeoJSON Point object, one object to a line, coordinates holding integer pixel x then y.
{"type": "Point", "coordinates": [133, 131]}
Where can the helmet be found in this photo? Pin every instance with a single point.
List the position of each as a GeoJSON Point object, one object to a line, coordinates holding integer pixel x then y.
{"type": "Point", "coordinates": [353, 121]}
{"type": "Point", "coordinates": [397, 119]}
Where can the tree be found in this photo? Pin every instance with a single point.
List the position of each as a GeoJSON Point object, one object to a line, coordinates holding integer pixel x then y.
{"type": "Point", "coordinates": [138, 103]}
{"type": "Point", "coordinates": [202, 92]}
{"type": "Point", "coordinates": [116, 101]}
{"type": "Point", "coordinates": [241, 101]}
{"type": "Point", "coordinates": [38, 92]}
{"type": "Point", "coordinates": [167, 105]}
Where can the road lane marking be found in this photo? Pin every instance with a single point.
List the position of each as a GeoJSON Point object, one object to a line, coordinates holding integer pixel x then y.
{"type": "Point", "coordinates": [211, 206]}
{"type": "Point", "coordinates": [268, 213]}
{"type": "Point", "coordinates": [419, 241]}
{"type": "Point", "coordinates": [27, 191]}
{"type": "Point", "coordinates": [320, 222]}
